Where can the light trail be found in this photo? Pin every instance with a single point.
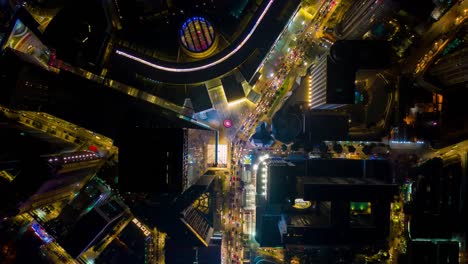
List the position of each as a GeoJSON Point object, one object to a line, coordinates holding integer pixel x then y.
{"type": "Point", "coordinates": [206, 66]}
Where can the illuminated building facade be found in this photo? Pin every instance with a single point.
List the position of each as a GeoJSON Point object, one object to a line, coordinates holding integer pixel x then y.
{"type": "Point", "coordinates": [317, 86]}
{"type": "Point", "coordinates": [35, 176]}
{"type": "Point", "coordinates": [196, 212]}
{"type": "Point", "coordinates": [198, 37]}
{"type": "Point", "coordinates": [191, 219]}
{"type": "Point", "coordinates": [69, 173]}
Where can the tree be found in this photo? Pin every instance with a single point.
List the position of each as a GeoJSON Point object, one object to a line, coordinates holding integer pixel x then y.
{"type": "Point", "coordinates": [296, 146]}
{"type": "Point", "coordinates": [366, 149]}
{"type": "Point", "coordinates": [284, 147]}
{"type": "Point", "coordinates": [338, 148]}
{"type": "Point", "coordinates": [351, 149]}
{"type": "Point", "coordinates": [323, 147]}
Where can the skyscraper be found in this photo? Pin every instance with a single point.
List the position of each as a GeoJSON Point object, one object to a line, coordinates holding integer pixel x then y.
{"type": "Point", "coordinates": [42, 168]}
{"type": "Point", "coordinates": [332, 79]}
{"type": "Point", "coordinates": [361, 16]}
{"type": "Point", "coordinates": [69, 172]}
{"type": "Point", "coordinates": [323, 202]}
{"type": "Point", "coordinates": [452, 69]}
{"type": "Point", "coordinates": [95, 230]}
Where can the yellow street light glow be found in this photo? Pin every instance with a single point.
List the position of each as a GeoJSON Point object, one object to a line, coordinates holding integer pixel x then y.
{"type": "Point", "coordinates": [206, 66]}
{"type": "Point", "coordinates": [236, 102]}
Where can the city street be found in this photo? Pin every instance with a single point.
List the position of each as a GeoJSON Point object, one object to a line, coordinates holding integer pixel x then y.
{"type": "Point", "coordinates": [443, 29]}
{"type": "Point", "coordinates": [247, 82]}
{"type": "Point", "coordinates": [285, 61]}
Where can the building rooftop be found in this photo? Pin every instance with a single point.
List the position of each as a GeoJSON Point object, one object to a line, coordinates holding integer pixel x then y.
{"type": "Point", "coordinates": [232, 88]}
{"type": "Point", "coordinates": [330, 189]}
{"type": "Point", "coordinates": [267, 231]}
{"type": "Point", "coordinates": [347, 181]}
{"type": "Point", "coordinates": [82, 234]}
{"type": "Point", "coordinates": [320, 126]}
{"type": "Point", "coordinates": [128, 247]}
{"type": "Point", "coordinates": [195, 209]}
{"type": "Point", "coordinates": [177, 94]}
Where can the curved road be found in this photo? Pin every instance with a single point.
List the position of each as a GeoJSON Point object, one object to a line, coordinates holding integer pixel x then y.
{"type": "Point", "coordinates": [258, 35]}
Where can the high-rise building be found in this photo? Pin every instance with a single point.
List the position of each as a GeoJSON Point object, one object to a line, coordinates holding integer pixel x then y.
{"type": "Point", "coordinates": [361, 16]}
{"type": "Point", "coordinates": [331, 82]}
{"type": "Point", "coordinates": [95, 230]}
{"type": "Point", "coordinates": [95, 193]}
{"type": "Point", "coordinates": [134, 244]}
{"type": "Point", "coordinates": [323, 202]}
{"type": "Point", "coordinates": [37, 175]}
{"type": "Point", "coordinates": [452, 69]}
{"type": "Point", "coordinates": [162, 160]}
{"type": "Point", "coordinates": [437, 197]}
{"type": "Point", "coordinates": [195, 211]}
{"type": "Point", "coordinates": [69, 172]}
{"type": "Point", "coordinates": [318, 84]}
{"type": "Point", "coordinates": [324, 93]}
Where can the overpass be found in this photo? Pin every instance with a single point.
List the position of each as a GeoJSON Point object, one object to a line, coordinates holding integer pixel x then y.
{"type": "Point", "coordinates": [260, 34]}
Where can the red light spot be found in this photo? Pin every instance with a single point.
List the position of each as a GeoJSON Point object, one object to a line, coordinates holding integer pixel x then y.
{"type": "Point", "coordinates": [93, 148]}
